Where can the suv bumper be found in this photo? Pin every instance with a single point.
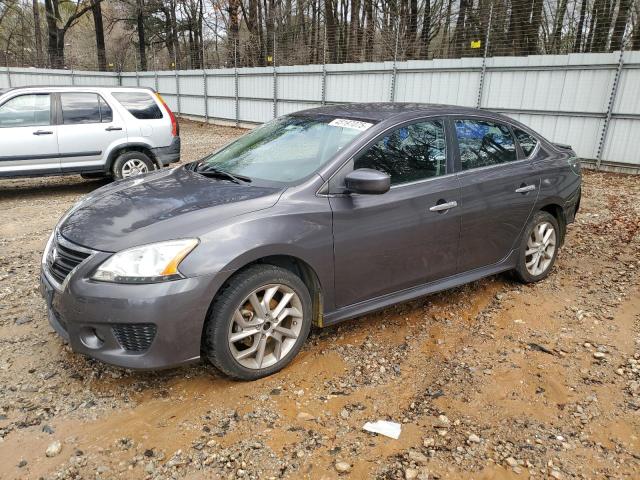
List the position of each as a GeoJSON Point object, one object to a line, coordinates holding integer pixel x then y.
{"type": "Point", "coordinates": [167, 155]}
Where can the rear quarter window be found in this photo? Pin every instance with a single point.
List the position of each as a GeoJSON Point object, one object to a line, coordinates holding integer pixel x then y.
{"type": "Point", "coordinates": [139, 104]}
{"type": "Point", "coordinates": [527, 142]}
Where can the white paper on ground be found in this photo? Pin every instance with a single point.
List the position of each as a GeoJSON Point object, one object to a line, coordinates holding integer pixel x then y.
{"type": "Point", "coordinates": [383, 427]}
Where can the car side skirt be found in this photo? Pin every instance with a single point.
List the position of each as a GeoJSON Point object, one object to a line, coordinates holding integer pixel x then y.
{"type": "Point", "coordinates": [402, 296]}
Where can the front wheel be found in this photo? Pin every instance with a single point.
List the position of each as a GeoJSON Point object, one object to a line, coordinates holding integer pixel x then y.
{"type": "Point", "coordinates": [258, 322]}
{"type": "Point", "coordinates": [539, 248]}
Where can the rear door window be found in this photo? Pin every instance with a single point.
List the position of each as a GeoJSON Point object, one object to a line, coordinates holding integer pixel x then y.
{"type": "Point", "coordinates": [484, 143]}
{"type": "Point", "coordinates": [409, 153]}
{"type": "Point", "coordinates": [139, 104]}
{"type": "Point", "coordinates": [26, 111]}
{"type": "Point", "coordinates": [80, 107]}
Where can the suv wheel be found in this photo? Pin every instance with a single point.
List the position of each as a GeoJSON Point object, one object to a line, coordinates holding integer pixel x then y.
{"type": "Point", "coordinates": [130, 164]}
{"type": "Point", "coordinates": [258, 322]}
{"type": "Point", "coordinates": [539, 248]}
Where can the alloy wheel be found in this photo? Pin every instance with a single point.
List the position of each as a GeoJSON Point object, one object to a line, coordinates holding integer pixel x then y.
{"type": "Point", "coordinates": [266, 326]}
{"type": "Point", "coordinates": [541, 248]}
{"type": "Point", "coordinates": [134, 167]}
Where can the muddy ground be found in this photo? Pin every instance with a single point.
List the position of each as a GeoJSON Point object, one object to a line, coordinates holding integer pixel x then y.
{"type": "Point", "coordinates": [491, 380]}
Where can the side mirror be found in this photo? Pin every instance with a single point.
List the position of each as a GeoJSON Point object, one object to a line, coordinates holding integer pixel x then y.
{"type": "Point", "coordinates": [368, 182]}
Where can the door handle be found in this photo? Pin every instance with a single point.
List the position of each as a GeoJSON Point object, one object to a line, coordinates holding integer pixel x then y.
{"type": "Point", "coordinates": [113, 129]}
{"type": "Point", "coordinates": [43, 132]}
{"type": "Point", "coordinates": [441, 207]}
{"type": "Point", "coordinates": [525, 188]}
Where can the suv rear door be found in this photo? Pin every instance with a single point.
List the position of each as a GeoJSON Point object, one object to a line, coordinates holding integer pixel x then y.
{"type": "Point", "coordinates": [87, 128]}
{"type": "Point", "coordinates": [498, 189]}
{"type": "Point", "coordinates": [27, 135]}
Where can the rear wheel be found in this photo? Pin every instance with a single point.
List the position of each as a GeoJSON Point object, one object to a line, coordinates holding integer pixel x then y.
{"type": "Point", "coordinates": [130, 164]}
{"type": "Point", "coordinates": [258, 322]}
{"type": "Point", "coordinates": [539, 248]}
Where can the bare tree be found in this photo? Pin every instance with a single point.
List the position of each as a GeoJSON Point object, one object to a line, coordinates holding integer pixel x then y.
{"type": "Point", "coordinates": [57, 27]}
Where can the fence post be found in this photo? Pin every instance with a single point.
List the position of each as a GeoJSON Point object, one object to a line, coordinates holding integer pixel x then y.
{"type": "Point", "coordinates": [205, 91]}
{"type": "Point", "coordinates": [392, 96]}
{"type": "Point", "coordinates": [275, 78]}
{"type": "Point", "coordinates": [324, 67]}
{"type": "Point", "coordinates": [177, 81]}
{"type": "Point", "coordinates": [235, 75]}
{"type": "Point", "coordinates": [484, 59]}
{"type": "Point", "coordinates": [155, 68]}
{"type": "Point", "coordinates": [612, 101]}
{"type": "Point", "coordinates": [137, 77]}
{"type": "Point", "coordinates": [9, 75]}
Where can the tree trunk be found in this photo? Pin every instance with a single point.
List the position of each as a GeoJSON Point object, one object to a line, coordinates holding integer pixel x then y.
{"type": "Point", "coordinates": [557, 31]}
{"type": "Point", "coordinates": [234, 27]}
{"type": "Point", "coordinates": [353, 34]}
{"type": "Point", "coordinates": [426, 30]}
{"type": "Point", "coordinates": [142, 46]}
{"type": "Point", "coordinates": [620, 25]}
{"type": "Point", "coordinates": [635, 43]}
{"type": "Point", "coordinates": [603, 24]}
{"type": "Point", "coordinates": [577, 46]}
{"type": "Point", "coordinates": [37, 32]}
{"type": "Point", "coordinates": [55, 47]}
{"type": "Point", "coordinates": [534, 28]}
{"type": "Point", "coordinates": [459, 33]}
{"type": "Point", "coordinates": [96, 11]}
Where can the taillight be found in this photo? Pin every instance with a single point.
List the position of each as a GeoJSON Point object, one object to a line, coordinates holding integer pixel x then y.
{"type": "Point", "coordinates": [175, 128]}
{"type": "Point", "coordinates": [574, 164]}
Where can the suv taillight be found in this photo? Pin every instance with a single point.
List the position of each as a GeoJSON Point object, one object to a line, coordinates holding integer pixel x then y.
{"type": "Point", "coordinates": [175, 128]}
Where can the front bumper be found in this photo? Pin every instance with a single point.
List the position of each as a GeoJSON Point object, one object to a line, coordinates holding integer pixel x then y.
{"type": "Point", "coordinates": [91, 316]}
{"type": "Point", "coordinates": [167, 155]}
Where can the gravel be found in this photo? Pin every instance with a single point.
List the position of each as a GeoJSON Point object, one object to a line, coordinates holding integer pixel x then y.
{"type": "Point", "coordinates": [493, 377]}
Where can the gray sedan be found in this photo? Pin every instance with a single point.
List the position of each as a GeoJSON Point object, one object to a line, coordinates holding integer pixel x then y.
{"type": "Point", "coordinates": [311, 219]}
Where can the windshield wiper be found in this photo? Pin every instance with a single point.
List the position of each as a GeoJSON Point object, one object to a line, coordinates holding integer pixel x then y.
{"type": "Point", "coordinates": [216, 172]}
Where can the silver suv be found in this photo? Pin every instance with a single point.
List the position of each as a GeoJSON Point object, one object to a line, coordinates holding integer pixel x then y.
{"type": "Point", "coordinates": [93, 131]}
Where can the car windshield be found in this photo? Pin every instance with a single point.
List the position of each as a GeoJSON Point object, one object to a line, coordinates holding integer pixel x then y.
{"type": "Point", "coordinates": [286, 150]}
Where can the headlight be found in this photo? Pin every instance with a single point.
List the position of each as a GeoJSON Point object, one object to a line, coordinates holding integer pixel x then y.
{"type": "Point", "coordinates": [47, 247]}
{"type": "Point", "coordinates": [155, 262]}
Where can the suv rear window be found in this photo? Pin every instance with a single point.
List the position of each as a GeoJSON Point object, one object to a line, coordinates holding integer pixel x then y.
{"type": "Point", "coordinates": [139, 104]}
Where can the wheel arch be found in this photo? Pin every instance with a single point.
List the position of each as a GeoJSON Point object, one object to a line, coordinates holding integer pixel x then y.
{"type": "Point", "coordinates": [557, 212]}
{"type": "Point", "coordinates": [295, 265]}
{"type": "Point", "coordinates": [130, 147]}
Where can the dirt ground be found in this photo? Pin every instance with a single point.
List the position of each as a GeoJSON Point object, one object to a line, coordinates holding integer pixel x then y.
{"type": "Point", "coordinates": [493, 380]}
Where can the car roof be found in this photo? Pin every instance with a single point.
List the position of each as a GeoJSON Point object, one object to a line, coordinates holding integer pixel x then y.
{"type": "Point", "coordinates": [62, 88]}
{"type": "Point", "coordinates": [379, 112]}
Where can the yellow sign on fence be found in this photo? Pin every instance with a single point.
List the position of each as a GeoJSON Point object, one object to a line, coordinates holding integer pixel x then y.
{"type": "Point", "coordinates": [476, 43]}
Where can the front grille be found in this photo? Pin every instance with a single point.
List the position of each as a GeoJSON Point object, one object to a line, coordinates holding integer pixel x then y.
{"type": "Point", "coordinates": [135, 337]}
{"type": "Point", "coordinates": [64, 256]}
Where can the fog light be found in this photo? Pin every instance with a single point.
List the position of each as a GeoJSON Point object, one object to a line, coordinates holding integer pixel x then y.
{"type": "Point", "coordinates": [90, 338]}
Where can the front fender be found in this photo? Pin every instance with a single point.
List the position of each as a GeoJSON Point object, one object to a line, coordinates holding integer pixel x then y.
{"type": "Point", "coordinates": [305, 235]}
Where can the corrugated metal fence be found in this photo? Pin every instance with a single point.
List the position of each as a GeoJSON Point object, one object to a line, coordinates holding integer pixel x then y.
{"type": "Point", "coordinates": [591, 101]}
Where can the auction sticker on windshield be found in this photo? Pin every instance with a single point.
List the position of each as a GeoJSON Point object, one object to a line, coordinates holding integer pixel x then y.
{"type": "Point", "coordinates": [355, 124]}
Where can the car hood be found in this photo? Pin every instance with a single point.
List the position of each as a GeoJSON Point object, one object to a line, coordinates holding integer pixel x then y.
{"type": "Point", "coordinates": [164, 205]}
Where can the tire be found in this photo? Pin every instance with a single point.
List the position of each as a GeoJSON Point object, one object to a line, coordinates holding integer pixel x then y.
{"type": "Point", "coordinates": [528, 269]}
{"type": "Point", "coordinates": [128, 161]}
{"type": "Point", "coordinates": [232, 304]}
